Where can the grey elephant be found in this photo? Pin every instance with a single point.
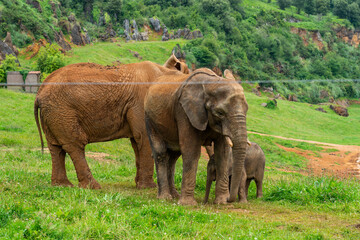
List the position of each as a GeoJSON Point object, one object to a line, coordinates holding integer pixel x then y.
{"type": "Point", "coordinates": [85, 103]}
{"type": "Point", "coordinates": [254, 167]}
{"type": "Point", "coordinates": [187, 112]}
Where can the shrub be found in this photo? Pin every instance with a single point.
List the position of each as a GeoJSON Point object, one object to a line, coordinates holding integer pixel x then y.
{"type": "Point", "coordinates": [50, 59]}
{"type": "Point", "coordinates": [9, 64]}
{"type": "Point", "coordinates": [271, 104]}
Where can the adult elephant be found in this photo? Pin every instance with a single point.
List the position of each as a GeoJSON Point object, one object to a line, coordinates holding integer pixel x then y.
{"type": "Point", "coordinates": [187, 112]}
{"type": "Point", "coordinates": [85, 103]}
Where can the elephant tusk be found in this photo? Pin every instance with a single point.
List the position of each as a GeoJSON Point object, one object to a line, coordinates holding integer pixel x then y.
{"type": "Point", "coordinates": [228, 141]}
{"type": "Point", "coordinates": [248, 142]}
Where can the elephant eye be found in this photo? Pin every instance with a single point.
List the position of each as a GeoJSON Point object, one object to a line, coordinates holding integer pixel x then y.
{"type": "Point", "coordinates": [219, 113]}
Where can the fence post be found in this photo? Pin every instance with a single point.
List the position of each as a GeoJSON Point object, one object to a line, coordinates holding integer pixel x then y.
{"type": "Point", "coordinates": [16, 79]}
{"type": "Point", "coordinates": [33, 77]}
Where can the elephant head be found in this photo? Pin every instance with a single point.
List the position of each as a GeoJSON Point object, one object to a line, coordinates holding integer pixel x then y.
{"type": "Point", "coordinates": [219, 103]}
{"type": "Point", "coordinates": [174, 64]}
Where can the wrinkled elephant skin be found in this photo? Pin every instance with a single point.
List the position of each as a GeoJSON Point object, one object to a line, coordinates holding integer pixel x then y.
{"type": "Point", "coordinates": [254, 167]}
{"type": "Point", "coordinates": [180, 118]}
{"type": "Point", "coordinates": [86, 103]}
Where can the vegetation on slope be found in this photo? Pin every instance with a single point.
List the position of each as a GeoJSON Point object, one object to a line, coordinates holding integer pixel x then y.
{"type": "Point", "coordinates": [252, 38]}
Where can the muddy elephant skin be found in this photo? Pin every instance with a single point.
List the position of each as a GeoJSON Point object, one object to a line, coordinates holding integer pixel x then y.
{"type": "Point", "coordinates": [254, 167]}
{"type": "Point", "coordinates": [180, 118]}
{"type": "Point", "coordinates": [86, 103]}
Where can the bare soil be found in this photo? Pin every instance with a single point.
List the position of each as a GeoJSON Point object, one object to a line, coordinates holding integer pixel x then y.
{"type": "Point", "coordinates": [345, 162]}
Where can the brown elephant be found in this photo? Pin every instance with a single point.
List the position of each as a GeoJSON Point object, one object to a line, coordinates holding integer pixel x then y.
{"type": "Point", "coordinates": [254, 167]}
{"type": "Point", "coordinates": [85, 103]}
{"type": "Point", "coordinates": [180, 118]}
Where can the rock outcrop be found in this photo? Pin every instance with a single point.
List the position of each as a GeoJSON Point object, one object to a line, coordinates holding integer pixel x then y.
{"type": "Point", "coordinates": [293, 98]}
{"type": "Point", "coordinates": [8, 41]}
{"type": "Point", "coordinates": [341, 111]}
{"type": "Point", "coordinates": [155, 23]}
{"type": "Point", "coordinates": [127, 30]}
{"type": "Point", "coordinates": [7, 48]}
{"type": "Point", "coordinates": [59, 38]}
{"type": "Point", "coordinates": [135, 32]}
{"type": "Point", "coordinates": [35, 48]}
{"type": "Point", "coordinates": [77, 37]}
{"type": "Point", "coordinates": [307, 36]}
{"type": "Point", "coordinates": [184, 33]}
{"type": "Point", "coordinates": [320, 109]}
{"type": "Point", "coordinates": [349, 36]}
{"type": "Point", "coordinates": [109, 33]}
{"type": "Point", "coordinates": [131, 32]}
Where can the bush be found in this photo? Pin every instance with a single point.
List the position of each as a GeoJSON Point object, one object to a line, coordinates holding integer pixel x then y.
{"type": "Point", "coordinates": [271, 104]}
{"type": "Point", "coordinates": [9, 64]}
{"type": "Point", "coordinates": [50, 59]}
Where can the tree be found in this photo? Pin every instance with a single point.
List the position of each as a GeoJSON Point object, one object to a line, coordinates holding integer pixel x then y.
{"type": "Point", "coordinates": [284, 4]}
{"type": "Point", "coordinates": [113, 8]}
{"type": "Point", "coordinates": [354, 14]}
{"type": "Point", "coordinates": [216, 7]}
{"type": "Point", "coordinates": [341, 8]}
{"type": "Point", "coordinates": [309, 7]}
{"type": "Point", "coordinates": [322, 6]}
{"type": "Point", "coordinates": [299, 4]}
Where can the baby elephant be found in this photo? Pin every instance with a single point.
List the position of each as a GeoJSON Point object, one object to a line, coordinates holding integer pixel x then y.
{"type": "Point", "coordinates": [254, 166]}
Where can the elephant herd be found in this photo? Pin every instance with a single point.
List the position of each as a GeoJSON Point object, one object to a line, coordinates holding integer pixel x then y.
{"type": "Point", "coordinates": [166, 111]}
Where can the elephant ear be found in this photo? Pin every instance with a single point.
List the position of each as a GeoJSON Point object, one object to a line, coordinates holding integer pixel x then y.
{"type": "Point", "coordinates": [172, 63]}
{"type": "Point", "coordinates": [192, 100]}
{"type": "Point", "coordinates": [228, 74]}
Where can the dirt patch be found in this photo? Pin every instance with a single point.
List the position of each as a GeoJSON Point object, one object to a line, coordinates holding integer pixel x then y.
{"type": "Point", "coordinates": [345, 162]}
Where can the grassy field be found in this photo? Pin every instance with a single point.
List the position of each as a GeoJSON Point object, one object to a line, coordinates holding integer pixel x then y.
{"type": "Point", "coordinates": [294, 206]}
{"type": "Point", "coordinates": [108, 53]}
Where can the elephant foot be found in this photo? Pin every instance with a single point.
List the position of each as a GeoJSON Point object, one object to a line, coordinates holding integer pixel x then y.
{"type": "Point", "coordinates": [187, 201]}
{"type": "Point", "coordinates": [243, 200]}
{"type": "Point", "coordinates": [92, 184]}
{"type": "Point", "coordinates": [259, 196]}
{"type": "Point", "coordinates": [166, 196]}
{"type": "Point", "coordinates": [146, 184]}
{"type": "Point", "coordinates": [220, 200]}
{"type": "Point", "coordinates": [174, 193]}
{"type": "Point", "coordinates": [62, 182]}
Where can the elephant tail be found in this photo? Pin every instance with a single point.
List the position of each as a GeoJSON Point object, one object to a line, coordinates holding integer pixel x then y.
{"type": "Point", "coordinates": [36, 114]}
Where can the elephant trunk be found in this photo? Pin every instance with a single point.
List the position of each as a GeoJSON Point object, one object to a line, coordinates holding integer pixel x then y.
{"type": "Point", "coordinates": [239, 138]}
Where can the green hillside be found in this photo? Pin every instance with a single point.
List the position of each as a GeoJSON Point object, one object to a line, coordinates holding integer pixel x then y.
{"type": "Point", "coordinates": [258, 40]}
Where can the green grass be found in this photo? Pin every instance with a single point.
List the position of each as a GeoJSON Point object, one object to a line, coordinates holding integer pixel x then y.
{"type": "Point", "coordinates": [107, 53]}
{"type": "Point", "coordinates": [300, 120]}
{"type": "Point", "coordinates": [294, 206]}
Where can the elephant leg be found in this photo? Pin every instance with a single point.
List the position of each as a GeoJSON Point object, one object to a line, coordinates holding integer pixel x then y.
{"type": "Point", "coordinates": [247, 184]}
{"type": "Point", "coordinates": [171, 173]}
{"type": "Point", "coordinates": [144, 166]}
{"type": "Point", "coordinates": [190, 154]}
{"type": "Point", "coordinates": [161, 157]}
{"type": "Point", "coordinates": [259, 193]}
{"type": "Point", "coordinates": [58, 175]}
{"type": "Point", "coordinates": [77, 154]}
{"type": "Point", "coordinates": [142, 149]}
